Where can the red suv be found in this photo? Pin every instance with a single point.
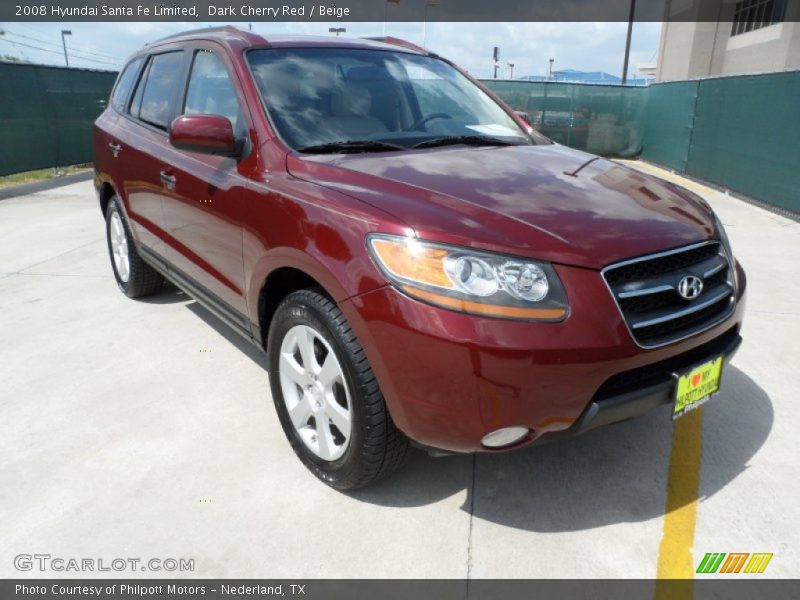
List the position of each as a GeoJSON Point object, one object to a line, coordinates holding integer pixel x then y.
{"type": "Point", "coordinates": [420, 266]}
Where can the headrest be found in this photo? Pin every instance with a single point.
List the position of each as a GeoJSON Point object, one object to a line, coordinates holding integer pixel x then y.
{"type": "Point", "coordinates": [349, 100]}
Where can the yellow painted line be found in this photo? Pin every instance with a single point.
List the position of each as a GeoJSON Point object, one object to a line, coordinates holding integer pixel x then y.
{"type": "Point", "coordinates": [675, 559]}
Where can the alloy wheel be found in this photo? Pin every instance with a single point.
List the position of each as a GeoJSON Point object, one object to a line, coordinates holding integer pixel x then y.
{"type": "Point", "coordinates": [315, 392]}
{"type": "Point", "coordinates": [119, 248]}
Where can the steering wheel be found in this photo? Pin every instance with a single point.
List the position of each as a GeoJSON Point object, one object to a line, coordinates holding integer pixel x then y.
{"type": "Point", "coordinates": [420, 122]}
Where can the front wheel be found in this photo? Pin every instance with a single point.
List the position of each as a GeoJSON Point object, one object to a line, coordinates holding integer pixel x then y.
{"type": "Point", "coordinates": [326, 395]}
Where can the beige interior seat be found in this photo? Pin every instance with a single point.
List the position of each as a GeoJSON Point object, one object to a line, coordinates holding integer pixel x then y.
{"type": "Point", "coordinates": [350, 113]}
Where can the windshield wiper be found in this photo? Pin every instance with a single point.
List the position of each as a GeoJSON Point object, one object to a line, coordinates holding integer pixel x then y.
{"type": "Point", "coordinates": [469, 140]}
{"type": "Point", "coordinates": [351, 146]}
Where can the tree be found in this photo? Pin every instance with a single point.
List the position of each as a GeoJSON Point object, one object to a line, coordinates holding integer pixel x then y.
{"type": "Point", "coordinates": [11, 58]}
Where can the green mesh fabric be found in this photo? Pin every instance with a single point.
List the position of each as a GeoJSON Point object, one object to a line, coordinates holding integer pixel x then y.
{"type": "Point", "coordinates": [46, 115]}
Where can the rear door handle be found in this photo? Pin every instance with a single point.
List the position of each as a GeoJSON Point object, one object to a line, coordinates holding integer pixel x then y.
{"type": "Point", "coordinates": [168, 180]}
{"type": "Point", "coordinates": [115, 148]}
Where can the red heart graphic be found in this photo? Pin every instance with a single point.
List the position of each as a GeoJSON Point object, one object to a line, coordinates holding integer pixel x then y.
{"type": "Point", "coordinates": [696, 379]}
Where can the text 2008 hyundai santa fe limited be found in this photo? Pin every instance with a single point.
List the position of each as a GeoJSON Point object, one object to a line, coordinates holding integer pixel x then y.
{"type": "Point", "coordinates": [420, 265]}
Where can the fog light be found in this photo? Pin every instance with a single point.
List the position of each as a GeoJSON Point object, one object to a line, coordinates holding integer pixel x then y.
{"type": "Point", "coordinates": [504, 437]}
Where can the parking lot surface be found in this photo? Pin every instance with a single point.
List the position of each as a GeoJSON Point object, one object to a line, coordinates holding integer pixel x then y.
{"type": "Point", "coordinates": [145, 429]}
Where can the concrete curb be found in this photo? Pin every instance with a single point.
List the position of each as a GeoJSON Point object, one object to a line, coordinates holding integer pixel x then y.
{"type": "Point", "coordinates": [47, 184]}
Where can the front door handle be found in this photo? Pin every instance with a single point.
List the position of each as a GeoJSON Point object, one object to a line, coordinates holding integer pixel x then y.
{"type": "Point", "coordinates": [168, 180]}
{"type": "Point", "coordinates": [115, 148]}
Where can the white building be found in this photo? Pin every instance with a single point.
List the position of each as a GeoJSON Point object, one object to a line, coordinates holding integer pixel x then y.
{"type": "Point", "coordinates": [727, 37]}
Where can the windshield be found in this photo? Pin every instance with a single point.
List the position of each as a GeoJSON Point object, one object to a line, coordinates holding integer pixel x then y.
{"type": "Point", "coordinates": [322, 96]}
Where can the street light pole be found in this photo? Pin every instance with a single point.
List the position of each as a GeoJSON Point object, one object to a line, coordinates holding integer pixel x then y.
{"type": "Point", "coordinates": [428, 3]}
{"type": "Point", "coordinates": [511, 70]}
{"type": "Point", "coordinates": [628, 43]}
{"type": "Point", "coordinates": [550, 73]}
{"type": "Point", "coordinates": [65, 32]}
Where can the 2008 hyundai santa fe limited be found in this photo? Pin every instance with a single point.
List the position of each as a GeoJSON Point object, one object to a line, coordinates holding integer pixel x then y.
{"type": "Point", "coordinates": [420, 266]}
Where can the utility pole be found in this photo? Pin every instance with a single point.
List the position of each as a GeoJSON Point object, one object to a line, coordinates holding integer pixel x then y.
{"type": "Point", "coordinates": [65, 32]}
{"type": "Point", "coordinates": [628, 42]}
{"type": "Point", "coordinates": [431, 3]}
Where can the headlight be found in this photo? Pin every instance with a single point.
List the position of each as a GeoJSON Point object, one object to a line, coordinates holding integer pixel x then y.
{"type": "Point", "coordinates": [470, 281]}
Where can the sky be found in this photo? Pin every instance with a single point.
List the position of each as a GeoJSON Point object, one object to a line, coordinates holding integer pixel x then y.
{"type": "Point", "coordinates": [581, 46]}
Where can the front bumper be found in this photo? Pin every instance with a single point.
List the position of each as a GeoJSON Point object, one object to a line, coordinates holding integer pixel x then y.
{"type": "Point", "coordinates": [607, 407]}
{"type": "Point", "coordinates": [450, 378]}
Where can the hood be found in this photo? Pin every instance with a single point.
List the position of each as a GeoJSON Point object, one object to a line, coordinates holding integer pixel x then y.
{"type": "Point", "coordinates": [548, 201]}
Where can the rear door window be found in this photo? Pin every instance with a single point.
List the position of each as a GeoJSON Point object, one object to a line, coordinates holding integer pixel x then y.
{"type": "Point", "coordinates": [136, 103]}
{"type": "Point", "coordinates": [126, 81]}
{"type": "Point", "coordinates": [154, 104]}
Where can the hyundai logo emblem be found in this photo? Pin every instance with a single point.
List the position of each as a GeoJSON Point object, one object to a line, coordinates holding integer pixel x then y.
{"type": "Point", "coordinates": [690, 287]}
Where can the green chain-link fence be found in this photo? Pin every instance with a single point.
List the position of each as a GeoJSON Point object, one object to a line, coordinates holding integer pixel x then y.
{"type": "Point", "coordinates": [738, 132]}
{"type": "Point", "coordinates": [668, 123]}
{"type": "Point", "coordinates": [604, 119]}
{"type": "Point", "coordinates": [746, 136]}
{"type": "Point", "coordinates": [46, 115]}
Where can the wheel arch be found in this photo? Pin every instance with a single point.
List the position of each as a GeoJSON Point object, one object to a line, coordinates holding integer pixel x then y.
{"type": "Point", "coordinates": [283, 270]}
{"type": "Point", "coordinates": [281, 282]}
{"type": "Point", "coordinates": [105, 191]}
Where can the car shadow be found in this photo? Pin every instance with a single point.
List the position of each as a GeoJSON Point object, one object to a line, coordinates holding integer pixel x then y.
{"type": "Point", "coordinates": [610, 475]}
{"type": "Point", "coordinates": [614, 474]}
{"type": "Point", "coordinates": [246, 347]}
{"type": "Point", "coordinates": [169, 294]}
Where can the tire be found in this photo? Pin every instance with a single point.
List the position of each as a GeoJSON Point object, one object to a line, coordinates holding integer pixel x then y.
{"type": "Point", "coordinates": [134, 277]}
{"type": "Point", "coordinates": [374, 447]}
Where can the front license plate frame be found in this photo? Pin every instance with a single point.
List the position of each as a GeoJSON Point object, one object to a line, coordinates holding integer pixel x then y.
{"type": "Point", "coordinates": [696, 386]}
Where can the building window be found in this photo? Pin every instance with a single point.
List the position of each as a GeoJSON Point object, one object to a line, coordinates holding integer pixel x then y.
{"type": "Point", "coordinates": [749, 15]}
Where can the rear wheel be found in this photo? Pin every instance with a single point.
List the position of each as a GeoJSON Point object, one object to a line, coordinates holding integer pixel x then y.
{"type": "Point", "coordinates": [134, 276]}
{"type": "Point", "coordinates": [326, 395]}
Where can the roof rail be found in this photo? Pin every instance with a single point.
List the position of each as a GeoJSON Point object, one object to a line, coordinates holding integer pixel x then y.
{"type": "Point", "coordinates": [398, 42]}
{"type": "Point", "coordinates": [246, 36]}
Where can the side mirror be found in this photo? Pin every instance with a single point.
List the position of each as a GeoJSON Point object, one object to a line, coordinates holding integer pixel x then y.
{"type": "Point", "coordinates": [208, 134]}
